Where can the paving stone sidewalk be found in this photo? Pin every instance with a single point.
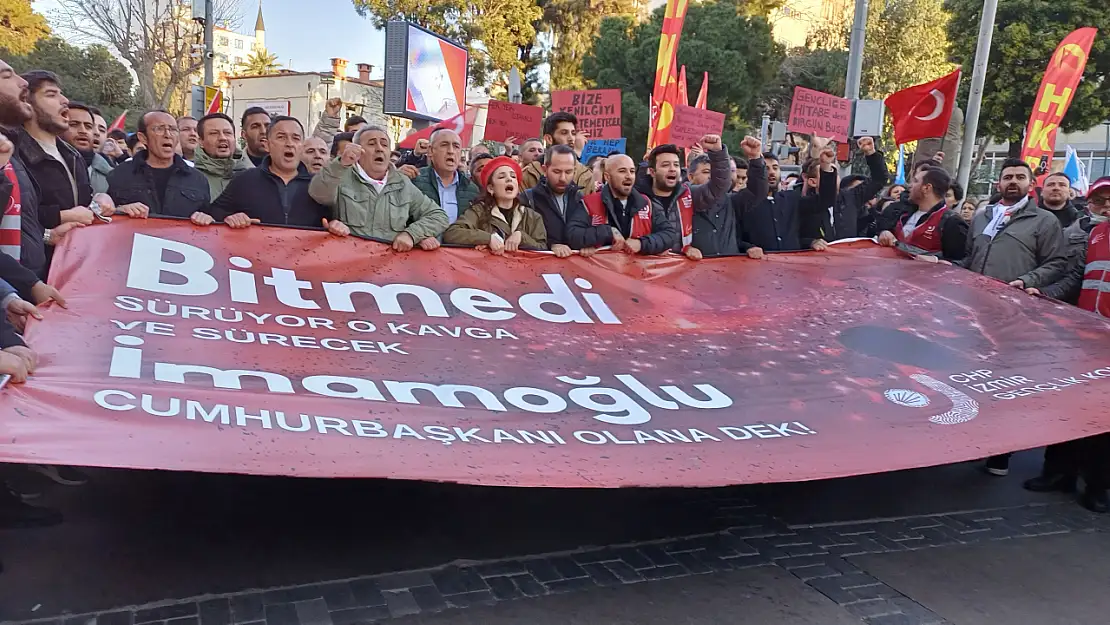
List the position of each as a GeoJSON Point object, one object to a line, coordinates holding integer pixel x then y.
{"type": "Point", "coordinates": [748, 537]}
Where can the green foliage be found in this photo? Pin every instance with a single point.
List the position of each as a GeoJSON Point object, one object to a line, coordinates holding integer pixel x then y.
{"type": "Point", "coordinates": [1026, 34]}
{"type": "Point", "coordinates": [259, 63]}
{"type": "Point", "coordinates": [906, 44]}
{"type": "Point", "coordinates": [822, 70]}
{"type": "Point", "coordinates": [20, 27]}
{"type": "Point", "coordinates": [493, 30]}
{"type": "Point", "coordinates": [90, 75]}
{"type": "Point", "coordinates": [573, 27]}
{"type": "Point", "coordinates": [720, 37]}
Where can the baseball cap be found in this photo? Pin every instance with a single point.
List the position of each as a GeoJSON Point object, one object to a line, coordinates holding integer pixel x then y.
{"type": "Point", "coordinates": [1101, 184]}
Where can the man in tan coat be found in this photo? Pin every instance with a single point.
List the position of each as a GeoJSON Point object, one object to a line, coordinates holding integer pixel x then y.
{"type": "Point", "coordinates": [559, 128]}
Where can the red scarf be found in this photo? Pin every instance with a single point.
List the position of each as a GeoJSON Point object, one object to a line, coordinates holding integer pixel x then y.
{"type": "Point", "coordinates": [599, 216]}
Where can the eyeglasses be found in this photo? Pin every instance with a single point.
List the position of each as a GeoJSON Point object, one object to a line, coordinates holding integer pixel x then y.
{"type": "Point", "coordinates": [162, 130]}
{"type": "Point", "coordinates": [1102, 200]}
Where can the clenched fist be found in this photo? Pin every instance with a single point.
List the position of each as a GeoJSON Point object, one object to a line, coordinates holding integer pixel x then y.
{"type": "Point", "coordinates": [752, 147]}
{"type": "Point", "coordinates": [333, 106]}
{"type": "Point", "coordinates": [711, 143]}
{"type": "Point", "coordinates": [351, 155]}
{"type": "Point", "coordinates": [867, 145]}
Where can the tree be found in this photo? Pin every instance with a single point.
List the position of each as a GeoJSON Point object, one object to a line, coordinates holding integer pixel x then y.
{"type": "Point", "coordinates": [492, 30]}
{"type": "Point", "coordinates": [20, 27]}
{"type": "Point", "coordinates": [572, 26]}
{"type": "Point", "coordinates": [906, 44]}
{"type": "Point", "coordinates": [821, 70]}
{"type": "Point", "coordinates": [154, 37]}
{"type": "Point", "coordinates": [1028, 32]}
{"type": "Point", "coordinates": [718, 36]}
{"type": "Point", "coordinates": [260, 63]}
{"type": "Point", "coordinates": [90, 75]}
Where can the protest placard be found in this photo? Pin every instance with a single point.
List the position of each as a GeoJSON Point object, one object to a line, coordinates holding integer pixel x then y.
{"type": "Point", "coordinates": [816, 113]}
{"type": "Point", "coordinates": [598, 111]}
{"type": "Point", "coordinates": [691, 124]}
{"type": "Point", "coordinates": [505, 119]}
{"type": "Point", "coordinates": [602, 147]}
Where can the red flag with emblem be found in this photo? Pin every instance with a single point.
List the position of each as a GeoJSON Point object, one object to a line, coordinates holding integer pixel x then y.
{"type": "Point", "coordinates": [703, 95]}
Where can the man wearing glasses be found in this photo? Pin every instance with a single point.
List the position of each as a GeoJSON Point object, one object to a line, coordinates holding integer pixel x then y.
{"type": "Point", "coordinates": [157, 181]}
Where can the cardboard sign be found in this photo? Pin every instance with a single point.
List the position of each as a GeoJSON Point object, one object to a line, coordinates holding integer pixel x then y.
{"type": "Point", "coordinates": [598, 111]}
{"type": "Point", "coordinates": [603, 147]}
{"type": "Point", "coordinates": [505, 119]}
{"type": "Point", "coordinates": [813, 112]}
{"type": "Point", "coordinates": [691, 124]}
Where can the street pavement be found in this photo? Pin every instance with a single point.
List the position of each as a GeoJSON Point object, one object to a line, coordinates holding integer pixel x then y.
{"type": "Point", "coordinates": [938, 545]}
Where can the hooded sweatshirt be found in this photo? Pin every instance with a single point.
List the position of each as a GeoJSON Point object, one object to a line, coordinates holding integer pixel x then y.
{"type": "Point", "coordinates": [220, 171]}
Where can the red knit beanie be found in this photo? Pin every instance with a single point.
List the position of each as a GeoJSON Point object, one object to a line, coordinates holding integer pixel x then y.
{"type": "Point", "coordinates": [494, 164]}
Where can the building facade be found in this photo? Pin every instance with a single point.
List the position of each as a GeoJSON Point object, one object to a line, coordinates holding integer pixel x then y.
{"type": "Point", "coordinates": [1091, 146]}
{"type": "Point", "coordinates": [232, 49]}
{"type": "Point", "coordinates": [304, 95]}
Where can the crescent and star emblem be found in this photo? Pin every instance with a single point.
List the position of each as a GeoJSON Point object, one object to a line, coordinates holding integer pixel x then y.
{"type": "Point", "coordinates": [938, 99]}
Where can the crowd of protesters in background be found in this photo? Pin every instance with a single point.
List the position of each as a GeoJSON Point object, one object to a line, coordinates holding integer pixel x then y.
{"type": "Point", "coordinates": [65, 170]}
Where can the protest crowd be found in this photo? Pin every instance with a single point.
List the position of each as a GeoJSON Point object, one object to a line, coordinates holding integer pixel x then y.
{"type": "Point", "coordinates": [63, 171]}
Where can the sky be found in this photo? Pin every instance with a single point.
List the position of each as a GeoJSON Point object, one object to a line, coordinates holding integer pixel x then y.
{"type": "Point", "coordinates": [305, 34]}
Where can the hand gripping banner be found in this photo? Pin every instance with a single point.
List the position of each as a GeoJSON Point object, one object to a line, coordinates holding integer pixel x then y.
{"type": "Point", "coordinates": [284, 352]}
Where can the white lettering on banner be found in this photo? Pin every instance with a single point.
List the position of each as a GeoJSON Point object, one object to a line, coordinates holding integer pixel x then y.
{"type": "Point", "coordinates": [271, 419]}
{"type": "Point", "coordinates": [151, 271]}
{"type": "Point", "coordinates": [613, 405]}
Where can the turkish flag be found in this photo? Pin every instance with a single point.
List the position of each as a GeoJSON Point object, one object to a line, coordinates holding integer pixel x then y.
{"type": "Point", "coordinates": [462, 124]}
{"type": "Point", "coordinates": [923, 111]}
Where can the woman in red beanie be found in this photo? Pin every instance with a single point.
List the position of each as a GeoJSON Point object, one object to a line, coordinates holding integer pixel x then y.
{"type": "Point", "coordinates": [498, 219]}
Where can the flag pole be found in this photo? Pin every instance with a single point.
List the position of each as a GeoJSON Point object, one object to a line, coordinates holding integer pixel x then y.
{"type": "Point", "coordinates": [975, 96]}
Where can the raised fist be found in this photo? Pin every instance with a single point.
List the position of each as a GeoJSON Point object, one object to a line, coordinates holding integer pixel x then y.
{"type": "Point", "coordinates": [351, 155]}
{"type": "Point", "coordinates": [333, 107]}
{"type": "Point", "coordinates": [867, 145]}
{"type": "Point", "coordinates": [752, 147]}
{"type": "Point", "coordinates": [711, 143]}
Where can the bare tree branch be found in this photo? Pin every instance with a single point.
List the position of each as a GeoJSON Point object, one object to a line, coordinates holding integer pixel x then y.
{"type": "Point", "coordinates": [154, 37]}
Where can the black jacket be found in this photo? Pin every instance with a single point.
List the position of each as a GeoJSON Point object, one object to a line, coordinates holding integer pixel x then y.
{"type": "Point", "coordinates": [133, 181]}
{"type": "Point", "coordinates": [778, 226]}
{"type": "Point", "coordinates": [582, 233]}
{"type": "Point", "coordinates": [850, 217]}
{"type": "Point", "coordinates": [258, 193]}
{"type": "Point", "coordinates": [542, 200]}
{"type": "Point", "coordinates": [55, 191]}
{"type": "Point", "coordinates": [1067, 215]}
{"type": "Point", "coordinates": [716, 230]}
{"type": "Point", "coordinates": [32, 249]}
{"type": "Point", "coordinates": [419, 162]}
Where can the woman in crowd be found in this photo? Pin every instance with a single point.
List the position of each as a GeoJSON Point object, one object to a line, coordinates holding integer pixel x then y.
{"type": "Point", "coordinates": [498, 220]}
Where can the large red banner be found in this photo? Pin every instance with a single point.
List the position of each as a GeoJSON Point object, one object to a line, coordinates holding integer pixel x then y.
{"type": "Point", "coordinates": [271, 351]}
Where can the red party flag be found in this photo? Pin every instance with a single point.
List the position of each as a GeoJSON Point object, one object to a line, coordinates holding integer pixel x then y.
{"type": "Point", "coordinates": [683, 92]}
{"type": "Point", "coordinates": [118, 124]}
{"type": "Point", "coordinates": [703, 95]}
{"type": "Point", "coordinates": [462, 124]}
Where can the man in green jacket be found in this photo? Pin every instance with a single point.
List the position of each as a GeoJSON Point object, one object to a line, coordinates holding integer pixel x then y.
{"type": "Point", "coordinates": [370, 198]}
{"type": "Point", "coordinates": [216, 157]}
{"type": "Point", "coordinates": [441, 180]}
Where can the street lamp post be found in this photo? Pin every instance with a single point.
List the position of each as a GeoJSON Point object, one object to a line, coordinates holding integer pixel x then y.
{"type": "Point", "coordinates": [1106, 150]}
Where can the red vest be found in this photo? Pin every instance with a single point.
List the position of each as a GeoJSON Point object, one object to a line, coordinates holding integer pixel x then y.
{"type": "Point", "coordinates": [10, 223]}
{"type": "Point", "coordinates": [926, 235]}
{"type": "Point", "coordinates": [1095, 295]}
{"type": "Point", "coordinates": [685, 205]}
{"type": "Point", "coordinates": [641, 221]}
